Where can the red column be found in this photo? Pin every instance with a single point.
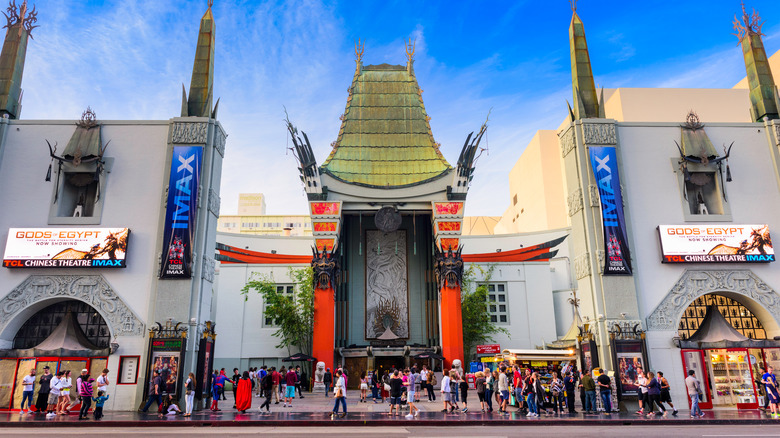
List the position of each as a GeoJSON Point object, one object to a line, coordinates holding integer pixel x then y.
{"type": "Point", "coordinates": [324, 325]}
{"type": "Point", "coordinates": [451, 325]}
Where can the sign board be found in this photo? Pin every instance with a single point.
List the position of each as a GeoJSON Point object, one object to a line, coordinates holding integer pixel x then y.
{"type": "Point", "coordinates": [181, 212]}
{"type": "Point", "coordinates": [728, 243]}
{"type": "Point", "coordinates": [617, 259]}
{"type": "Point", "coordinates": [489, 349]}
{"type": "Point", "coordinates": [66, 248]}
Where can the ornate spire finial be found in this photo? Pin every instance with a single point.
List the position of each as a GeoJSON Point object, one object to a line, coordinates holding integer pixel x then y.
{"type": "Point", "coordinates": [211, 3]}
{"type": "Point", "coordinates": [360, 47]}
{"type": "Point", "coordinates": [20, 14]}
{"type": "Point", "coordinates": [573, 4]}
{"type": "Point", "coordinates": [409, 46]}
{"type": "Point", "coordinates": [692, 121]}
{"type": "Point", "coordinates": [88, 119]}
{"type": "Point", "coordinates": [748, 25]}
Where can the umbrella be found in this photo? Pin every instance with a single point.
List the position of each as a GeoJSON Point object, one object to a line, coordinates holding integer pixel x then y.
{"type": "Point", "coordinates": [299, 357]}
{"type": "Point", "coordinates": [428, 356]}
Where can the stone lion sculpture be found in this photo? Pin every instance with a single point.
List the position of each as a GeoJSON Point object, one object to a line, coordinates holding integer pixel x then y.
{"type": "Point", "coordinates": [319, 373]}
{"type": "Point", "coordinates": [457, 365]}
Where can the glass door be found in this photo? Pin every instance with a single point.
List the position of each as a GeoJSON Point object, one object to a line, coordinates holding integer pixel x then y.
{"type": "Point", "coordinates": [741, 378]}
{"type": "Point", "coordinates": [721, 380]}
{"type": "Point", "coordinates": [694, 360]}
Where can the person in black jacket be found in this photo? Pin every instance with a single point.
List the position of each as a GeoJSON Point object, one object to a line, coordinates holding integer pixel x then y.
{"type": "Point", "coordinates": [327, 380]}
{"type": "Point", "coordinates": [570, 383]}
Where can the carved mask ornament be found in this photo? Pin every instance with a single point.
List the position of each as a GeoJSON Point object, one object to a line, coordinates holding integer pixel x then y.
{"type": "Point", "coordinates": [326, 268]}
{"type": "Point", "coordinates": [449, 267]}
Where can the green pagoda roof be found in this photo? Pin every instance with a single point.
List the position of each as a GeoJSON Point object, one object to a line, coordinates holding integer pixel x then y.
{"type": "Point", "coordinates": [385, 139]}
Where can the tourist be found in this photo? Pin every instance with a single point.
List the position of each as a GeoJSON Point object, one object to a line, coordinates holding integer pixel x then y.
{"type": "Point", "coordinates": [503, 390]}
{"type": "Point", "coordinates": [222, 391]}
{"type": "Point", "coordinates": [464, 393]}
{"type": "Point", "coordinates": [396, 383]}
{"type": "Point", "coordinates": [100, 400]}
{"type": "Point", "coordinates": [154, 392]}
{"type": "Point", "coordinates": [276, 380]}
{"type": "Point", "coordinates": [236, 377]}
{"type": "Point", "coordinates": [283, 384]}
{"type": "Point", "coordinates": [417, 379]}
{"type": "Point", "coordinates": [588, 386]}
{"type": "Point", "coordinates": [28, 389]}
{"type": "Point", "coordinates": [529, 393]}
{"type": "Point", "coordinates": [654, 395]}
{"type": "Point", "coordinates": [410, 397]}
{"type": "Point", "coordinates": [43, 391]}
{"type": "Point", "coordinates": [85, 392]}
{"type": "Point", "coordinates": [770, 384]}
{"type": "Point", "coordinates": [290, 379]}
{"type": "Point", "coordinates": [454, 380]}
{"type": "Point", "coordinates": [102, 381]}
{"type": "Point", "coordinates": [569, 384]}
{"type": "Point", "coordinates": [65, 384]}
{"type": "Point", "coordinates": [666, 396]}
{"type": "Point", "coordinates": [386, 386]}
{"type": "Point", "coordinates": [170, 407]}
{"type": "Point", "coordinates": [489, 389]}
{"type": "Point", "coordinates": [445, 390]}
{"type": "Point", "coordinates": [605, 388]}
{"type": "Point", "coordinates": [556, 391]}
{"type": "Point", "coordinates": [302, 380]}
{"type": "Point", "coordinates": [517, 385]}
{"type": "Point", "coordinates": [424, 381]}
{"type": "Point", "coordinates": [431, 382]}
{"type": "Point", "coordinates": [340, 394]}
{"type": "Point", "coordinates": [54, 395]}
{"type": "Point", "coordinates": [244, 393]}
{"type": "Point", "coordinates": [327, 379]}
{"type": "Point", "coordinates": [644, 399]}
{"type": "Point", "coordinates": [693, 386]}
{"type": "Point", "coordinates": [74, 394]}
{"type": "Point", "coordinates": [267, 387]}
{"type": "Point", "coordinates": [189, 395]}
{"type": "Point", "coordinates": [479, 385]}
{"type": "Point", "coordinates": [363, 387]}
{"type": "Point", "coordinates": [375, 389]}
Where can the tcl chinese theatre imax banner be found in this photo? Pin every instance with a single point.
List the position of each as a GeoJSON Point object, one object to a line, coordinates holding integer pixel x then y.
{"type": "Point", "coordinates": [181, 212]}
{"type": "Point", "coordinates": [728, 243]}
{"type": "Point", "coordinates": [66, 248]}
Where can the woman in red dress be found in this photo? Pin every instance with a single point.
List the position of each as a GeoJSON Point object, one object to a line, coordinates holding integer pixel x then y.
{"type": "Point", "coordinates": [244, 393]}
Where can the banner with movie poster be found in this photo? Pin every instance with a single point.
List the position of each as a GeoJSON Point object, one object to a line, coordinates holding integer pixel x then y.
{"type": "Point", "coordinates": [714, 243]}
{"type": "Point", "coordinates": [181, 212]}
{"type": "Point", "coordinates": [66, 248]}
{"type": "Point", "coordinates": [617, 260]}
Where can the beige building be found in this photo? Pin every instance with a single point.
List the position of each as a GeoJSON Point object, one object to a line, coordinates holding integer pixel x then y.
{"type": "Point", "coordinates": [251, 219]}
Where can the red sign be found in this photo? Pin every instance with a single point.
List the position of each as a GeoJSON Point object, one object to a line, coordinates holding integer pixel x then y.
{"type": "Point", "coordinates": [489, 349]}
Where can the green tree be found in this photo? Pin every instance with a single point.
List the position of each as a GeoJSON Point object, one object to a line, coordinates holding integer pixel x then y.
{"type": "Point", "coordinates": [477, 328]}
{"type": "Point", "coordinates": [294, 317]}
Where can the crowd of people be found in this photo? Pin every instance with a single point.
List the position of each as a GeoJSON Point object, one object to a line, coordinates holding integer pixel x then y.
{"type": "Point", "coordinates": [56, 395]}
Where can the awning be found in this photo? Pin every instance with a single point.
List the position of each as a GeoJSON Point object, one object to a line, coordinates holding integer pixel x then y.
{"type": "Point", "coordinates": [715, 332]}
{"type": "Point", "coordinates": [429, 356]}
{"type": "Point", "coordinates": [299, 357]}
{"type": "Point", "coordinates": [539, 355]}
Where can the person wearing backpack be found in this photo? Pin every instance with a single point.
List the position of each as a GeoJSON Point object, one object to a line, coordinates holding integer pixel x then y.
{"type": "Point", "coordinates": [266, 388]}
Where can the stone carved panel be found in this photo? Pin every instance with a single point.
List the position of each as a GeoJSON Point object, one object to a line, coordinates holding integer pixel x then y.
{"type": "Point", "coordinates": [568, 142]}
{"type": "Point", "coordinates": [777, 133]}
{"type": "Point", "coordinates": [574, 202]}
{"type": "Point", "coordinates": [600, 256]}
{"type": "Point", "coordinates": [214, 202]}
{"type": "Point", "coordinates": [209, 265]}
{"type": "Point", "coordinates": [189, 132]}
{"type": "Point", "coordinates": [219, 142]}
{"type": "Point", "coordinates": [599, 133]}
{"type": "Point", "coordinates": [695, 283]}
{"type": "Point", "coordinates": [387, 297]}
{"type": "Point", "coordinates": [91, 289]}
{"type": "Point", "coordinates": [593, 195]}
{"type": "Point", "coordinates": [582, 266]}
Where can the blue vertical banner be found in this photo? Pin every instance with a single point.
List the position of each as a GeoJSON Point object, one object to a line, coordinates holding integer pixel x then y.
{"type": "Point", "coordinates": [617, 260]}
{"type": "Point", "coordinates": [181, 212]}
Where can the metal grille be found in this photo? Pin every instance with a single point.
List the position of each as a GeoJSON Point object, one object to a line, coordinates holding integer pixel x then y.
{"type": "Point", "coordinates": [40, 325]}
{"type": "Point", "coordinates": [735, 313]}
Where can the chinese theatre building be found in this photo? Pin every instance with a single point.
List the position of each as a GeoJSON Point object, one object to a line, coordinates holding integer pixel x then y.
{"type": "Point", "coordinates": [108, 230]}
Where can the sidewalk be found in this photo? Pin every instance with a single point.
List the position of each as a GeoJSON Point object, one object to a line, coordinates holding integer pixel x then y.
{"type": "Point", "coordinates": [314, 410]}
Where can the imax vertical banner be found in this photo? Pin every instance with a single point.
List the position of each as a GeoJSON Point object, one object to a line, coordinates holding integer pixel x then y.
{"type": "Point", "coordinates": [618, 259]}
{"type": "Point", "coordinates": [181, 211]}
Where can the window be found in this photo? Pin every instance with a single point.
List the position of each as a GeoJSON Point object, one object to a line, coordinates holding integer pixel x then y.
{"type": "Point", "coordinates": [41, 325]}
{"type": "Point", "coordinates": [287, 289]}
{"type": "Point", "coordinates": [703, 193]}
{"type": "Point", "coordinates": [497, 304]}
{"type": "Point", "coordinates": [77, 197]}
{"type": "Point", "coordinates": [742, 319]}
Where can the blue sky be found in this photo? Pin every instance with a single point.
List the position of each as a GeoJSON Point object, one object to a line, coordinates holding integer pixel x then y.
{"type": "Point", "coordinates": [127, 60]}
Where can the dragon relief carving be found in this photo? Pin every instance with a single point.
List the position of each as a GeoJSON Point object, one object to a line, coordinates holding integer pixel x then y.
{"type": "Point", "coordinates": [189, 132]}
{"type": "Point", "coordinates": [214, 202]}
{"type": "Point", "coordinates": [448, 266]}
{"type": "Point", "coordinates": [695, 283]}
{"type": "Point", "coordinates": [91, 289]}
{"type": "Point", "coordinates": [220, 139]}
{"type": "Point", "coordinates": [209, 267]}
{"type": "Point", "coordinates": [326, 268]}
{"type": "Point", "coordinates": [582, 266]}
{"type": "Point", "coordinates": [574, 202]}
{"type": "Point", "coordinates": [568, 142]}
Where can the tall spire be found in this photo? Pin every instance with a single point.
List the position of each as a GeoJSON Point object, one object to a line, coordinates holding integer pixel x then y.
{"type": "Point", "coordinates": [201, 86]}
{"type": "Point", "coordinates": [586, 103]}
{"type": "Point", "coordinates": [764, 99]}
{"type": "Point", "coordinates": [20, 25]}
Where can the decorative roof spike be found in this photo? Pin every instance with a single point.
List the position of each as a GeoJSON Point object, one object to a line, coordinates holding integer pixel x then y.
{"type": "Point", "coordinates": [201, 85]}
{"type": "Point", "coordinates": [763, 102]}
{"type": "Point", "coordinates": [409, 47]}
{"type": "Point", "coordinates": [692, 121]}
{"type": "Point", "coordinates": [88, 119]}
{"type": "Point", "coordinates": [573, 4]}
{"type": "Point", "coordinates": [19, 15]}
{"type": "Point", "coordinates": [586, 103]}
{"type": "Point", "coordinates": [360, 47]}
